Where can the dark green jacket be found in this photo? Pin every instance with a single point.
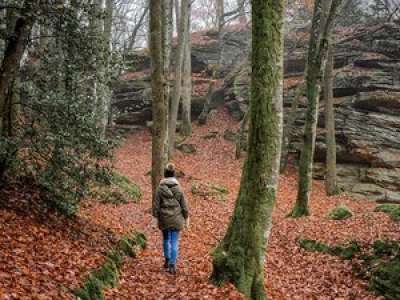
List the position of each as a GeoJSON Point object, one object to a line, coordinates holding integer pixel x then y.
{"type": "Point", "coordinates": [169, 205]}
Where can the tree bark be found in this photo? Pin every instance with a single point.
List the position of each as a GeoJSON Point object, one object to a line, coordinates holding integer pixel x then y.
{"type": "Point", "coordinates": [108, 52]}
{"type": "Point", "coordinates": [167, 33]}
{"type": "Point", "coordinates": [158, 85]}
{"type": "Point", "coordinates": [330, 178]}
{"type": "Point", "coordinates": [241, 135]}
{"type": "Point", "coordinates": [177, 92]}
{"type": "Point", "coordinates": [10, 65]}
{"type": "Point", "coordinates": [177, 14]}
{"type": "Point", "coordinates": [187, 82]}
{"type": "Point", "coordinates": [220, 11]}
{"type": "Point", "coordinates": [240, 256]}
{"type": "Point", "coordinates": [317, 54]}
{"type": "Point", "coordinates": [289, 126]}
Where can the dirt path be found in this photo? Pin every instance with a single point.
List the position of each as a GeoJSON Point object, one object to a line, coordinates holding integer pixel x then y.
{"type": "Point", "coordinates": [291, 273]}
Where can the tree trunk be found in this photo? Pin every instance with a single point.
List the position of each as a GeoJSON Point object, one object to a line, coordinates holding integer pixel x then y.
{"type": "Point", "coordinates": [9, 69]}
{"type": "Point", "coordinates": [241, 135]}
{"type": "Point", "coordinates": [109, 10]}
{"type": "Point", "coordinates": [98, 84]}
{"type": "Point", "coordinates": [177, 92]}
{"type": "Point", "coordinates": [158, 85]}
{"type": "Point", "coordinates": [330, 179]}
{"type": "Point", "coordinates": [317, 54]}
{"type": "Point", "coordinates": [167, 34]}
{"type": "Point", "coordinates": [240, 256]}
{"type": "Point", "coordinates": [16, 42]}
{"type": "Point", "coordinates": [187, 83]}
{"type": "Point", "coordinates": [220, 11]}
{"type": "Point", "coordinates": [289, 126]}
{"type": "Point", "coordinates": [177, 14]}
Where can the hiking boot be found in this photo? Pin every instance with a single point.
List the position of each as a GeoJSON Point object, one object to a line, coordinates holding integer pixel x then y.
{"type": "Point", "coordinates": [172, 269]}
{"type": "Point", "coordinates": [166, 265]}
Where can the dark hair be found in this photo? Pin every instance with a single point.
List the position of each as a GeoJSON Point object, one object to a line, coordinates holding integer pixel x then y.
{"type": "Point", "coordinates": [169, 170]}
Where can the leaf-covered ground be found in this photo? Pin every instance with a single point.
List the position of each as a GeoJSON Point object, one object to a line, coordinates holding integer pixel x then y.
{"type": "Point", "coordinates": [44, 258]}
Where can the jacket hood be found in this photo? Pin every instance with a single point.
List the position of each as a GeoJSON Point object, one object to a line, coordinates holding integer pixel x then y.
{"type": "Point", "coordinates": [165, 186]}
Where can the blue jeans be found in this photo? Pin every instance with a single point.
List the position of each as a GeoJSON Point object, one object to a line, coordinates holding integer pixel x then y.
{"type": "Point", "coordinates": [171, 245]}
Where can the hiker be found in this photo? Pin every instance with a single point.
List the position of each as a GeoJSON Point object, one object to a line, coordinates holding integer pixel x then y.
{"type": "Point", "coordinates": [171, 212]}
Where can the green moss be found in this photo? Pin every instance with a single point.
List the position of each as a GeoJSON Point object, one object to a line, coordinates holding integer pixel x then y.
{"type": "Point", "coordinates": [92, 289]}
{"type": "Point", "coordinates": [391, 209]}
{"type": "Point", "coordinates": [127, 186]}
{"type": "Point", "coordinates": [126, 247]}
{"type": "Point", "coordinates": [226, 267]}
{"type": "Point", "coordinates": [379, 264]}
{"type": "Point", "coordinates": [347, 251]}
{"type": "Point", "coordinates": [313, 245]}
{"type": "Point", "coordinates": [209, 190]}
{"type": "Point", "coordinates": [116, 257]}
{"type": "Point", "coordinates": [107, 274]}
{"type": "Point", "coordinates": [340, 212]}
{"type": "Point", "coordinates": [82, 294]}
{"type": "Point", "coordinates": [131, 242]}
{"type": "Point", "coordinates": [386, 248]}
{"type": "Point", "coordinates": [385, 279]}
{"type": "Point", "coordinates": [299, 210]}
{"type": "Point", "coordinates": [140, 239]}
{"type": "Point", "coordinates": [119, 190]}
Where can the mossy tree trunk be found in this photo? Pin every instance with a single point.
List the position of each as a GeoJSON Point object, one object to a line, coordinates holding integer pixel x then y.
{"type": "Point", "coordinates": [19, 28]}
{"type": "Point", "coordinates": [241, 135]}
{"type": "Point", "coordinates": [318, 48]}
{"type": "Point", "coordinates": [330, 178]}
{"type": "Point", "coordinates": [240, 256]}
{"type": "Point", "coordinates": [158, 85]}
{"type": "Point", "coordinates": [9, 69]}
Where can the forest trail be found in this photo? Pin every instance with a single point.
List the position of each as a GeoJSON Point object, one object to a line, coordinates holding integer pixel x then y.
{"type": "Point", "coordinates": [291, 273]}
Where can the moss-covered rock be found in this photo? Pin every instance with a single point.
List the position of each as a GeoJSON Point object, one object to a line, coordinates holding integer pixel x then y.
{"type": "Point", "coordinates": [206, 189]}
{"type": "Point", "coordinates": [107, 275]}
{"type": "Point", "coordinates": [91, 290]}
{"type": "Point", "coordinates": [391, 209]}
{"type": "Point", "coordinates": [116, 257]}
{"type": "Point", "coordinates": [127, 186]}
{"type": "Point", "coordinates": [120, 190]}
{"type": "Point", "coordinates": [340, 212]}
{"type": "Point", "coordinates": [347, 251]}
{"type": "Point", "coordinates": [385, 279]}
{"type": "Point", "coordinates": [379, 264]}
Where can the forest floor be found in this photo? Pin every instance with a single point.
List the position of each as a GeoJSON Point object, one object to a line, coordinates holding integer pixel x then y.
{"type": "Point", "coordinates": [43, 258]}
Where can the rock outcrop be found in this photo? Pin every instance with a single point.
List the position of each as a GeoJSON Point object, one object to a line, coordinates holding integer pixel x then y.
{"type": "Point", "coordinates": [366, 90]}
{"type": "Point", "coordinates": [367, 112]}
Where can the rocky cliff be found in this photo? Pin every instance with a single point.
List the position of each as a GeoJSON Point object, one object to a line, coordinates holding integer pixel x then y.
{"type": "Point", "coordinates": [367, 112]}
{"type": "Point", "coordinates": [366, 90]}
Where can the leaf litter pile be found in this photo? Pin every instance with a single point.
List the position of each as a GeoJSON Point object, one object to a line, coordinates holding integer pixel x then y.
{"type": "Point", "coordinates": [45, 258]}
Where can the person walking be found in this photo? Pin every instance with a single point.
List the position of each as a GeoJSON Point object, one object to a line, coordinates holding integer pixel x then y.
{"type": "Point", "coordinates": [171, 211]}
